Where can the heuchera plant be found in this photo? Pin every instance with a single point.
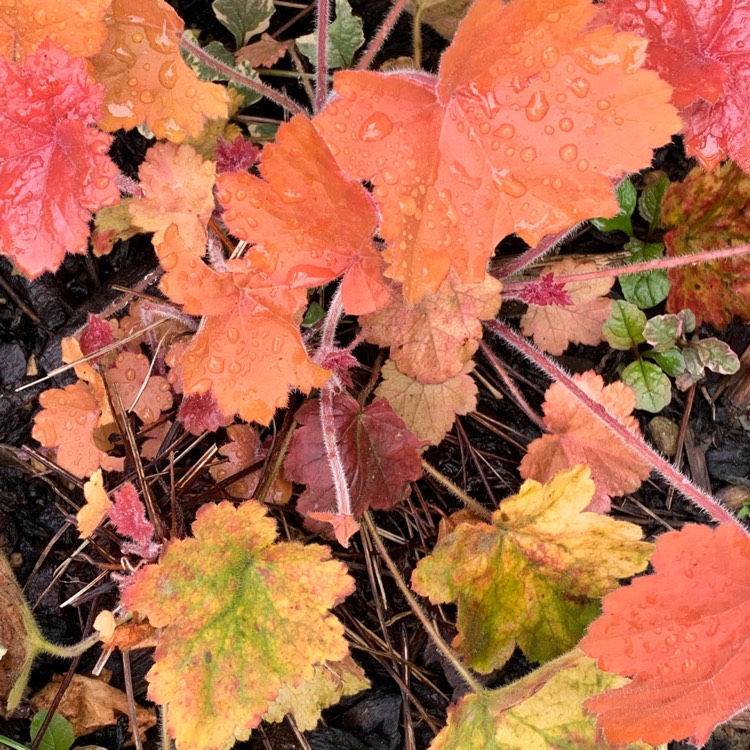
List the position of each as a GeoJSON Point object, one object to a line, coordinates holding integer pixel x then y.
{"type": "Point", "coordinates": [397, 187]}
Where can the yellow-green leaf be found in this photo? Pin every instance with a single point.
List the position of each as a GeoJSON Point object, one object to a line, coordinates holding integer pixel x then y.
{"type": "Point", "coordinates": [533, 576]}
{"type": "Point", "coordinates": [242, 617]}
{"type": "Point", "coordinates": [543, 711]}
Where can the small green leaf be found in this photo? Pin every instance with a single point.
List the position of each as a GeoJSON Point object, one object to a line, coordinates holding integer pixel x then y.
{"type": "Point", "coordinates": [626, 198]}
{"type": "Point", "coordinates": [653, 391]}
{"type": "Point", "coordinates": [717, 356]}
{"type": "Point", "coordinates": [663, 331]}
{"type": "Point", "coordinates": [645, 289]}
{"type": "Point", "coordinates": [671, 361]}
{"type": "Point", "coordinates": [687, 317]}
{"type": "Point", "coordinates": [59, 734]}
{"type": "Point", "coordinates": [624, 327]}
{"type": "Point", "coordinates": [650, 201]}
{"type": "Point", "coordinates": [244, 18]}
{"type": "Point", "coordinates": [315, 313]}
{"type": "Point", "coordinates": [345, 37]}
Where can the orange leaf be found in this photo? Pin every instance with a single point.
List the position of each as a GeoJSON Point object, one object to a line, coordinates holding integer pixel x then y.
{"type": "Point", "coordinates": [264, 53]}
{"type": "Point", "coordinates": [433, 339]}
{"type": "Point", "coordinates": [67, 422]}
{"type": "Point", "coordinates": [237, 630]}
{"type": "Point", "coordinates": [177, 189]}
{"type": "Point", "coordinates": [248, 351]}
{"type": "Point", "coordinates": [54, 168]}
{"type": "Point", "coordinates": [554, 326]}
{"type": "Point", "coordinates": [146, 78]}
{"type": "Point", "coordinates": [76, 27]}
{"type": "Point", "coordinates": [96, 507]}
{"type": "Point", "coordinates": [682, 634]}
{"type": "Point", "coordinates": [521, 131]}
{"type": "Point", "coordinates": [302, 180]}
{"type": "Point", "coordinates": [428, 411]}
{"type": "Point", "coordinates": [578, 437]}
{"type": "Point", "coordinates": [146, 395]}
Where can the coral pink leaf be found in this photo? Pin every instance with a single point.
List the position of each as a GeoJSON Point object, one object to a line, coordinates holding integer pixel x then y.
{"type": "Point", "coordinates": [96, 335]}
{"type": "Point", "coordinates": [379, 455]}
{"type": "Point", "coordinates": [236, 155]}
{"type": "Point", "coordinates": [54, 168]}
{"type": "Point", "coordinates": [128, 516]}
{"type": "Point", "coordinates": [302, 179]}
{"type": "Point", "coordinates": [577, 437]}
{"type": "Point", "coordinates": [145, 394]}
{"type": "Point", "coordinates": [703, 51]}
{"type": "Point", "coordinates": [521, 131]}
{"type": "Point", "coordinates": [681, 633]}
{"type": "Point", "coordinates": [199, 413]}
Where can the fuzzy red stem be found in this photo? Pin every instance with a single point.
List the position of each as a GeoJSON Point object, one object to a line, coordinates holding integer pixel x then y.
{"type": "Point", "coordinates": [233, 75]}
{"type": "Point", "coordinates": [677, 479]}
{"type": "Point", "coordinates": [321, 72]}
{"type": "Point", "coordinates": [377, 41]}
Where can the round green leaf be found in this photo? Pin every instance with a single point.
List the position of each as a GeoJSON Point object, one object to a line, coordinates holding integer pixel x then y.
{"type": "Point", "coordinates": [59, 734]}
{"type": "Point", "coordinates": [645, 289]}
{"type": "Point", "coordinates": [653, 391]}
{"type": "Point", "coordinates": [624, 327]}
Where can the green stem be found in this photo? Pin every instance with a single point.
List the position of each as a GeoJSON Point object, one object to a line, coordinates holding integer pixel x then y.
{"type": "Point", "coordinates": [8, 742]}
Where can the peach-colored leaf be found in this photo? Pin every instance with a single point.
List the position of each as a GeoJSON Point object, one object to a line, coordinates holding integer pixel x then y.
{"type": "Point", "coordinates": [579, 321]}
{"type": "Point", "coordinates": [302, 180]}
{"type": "Point", "coordinates": [67, 422]}
{"type": "Point", "coordinates": [433, 339]}
{"type": "Point", "coordinates": [77, 27]}
{"type": "Point", "coordinates": [682, 634]}
{"type": "Point", "coordinates": [533, 575]}
{"type": "Point", "coordinates": [177, 186]}
{"type": "Point", "coordinates": [703, 50]}
{"type": "Point", "coordinates": [521, 131]}
{"type": "Point", "coordinates": [264, 53]}
{"type": "Point", "coordinates": [577, 437]}
{"type": "Point", "coordinates": [428, 411]}
{"type": "Point", "coordinates": [270, 601]}
{"type": "Point", "coordinates": [146, 78]}
{"type": "Point", "coordinates": [379, 455]}
{"type": "Point", "coordinates": [143, 393]}
{"type": "Point", "coordinates": [96, 507]}
{"type": "Point", "coordinates": [54, 168]}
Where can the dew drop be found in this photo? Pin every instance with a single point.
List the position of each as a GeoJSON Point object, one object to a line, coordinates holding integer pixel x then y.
{"type": "Point", "coordinates": [390, 176]}
{"type": "Point", "coordinates": [550, 56]}
{"type": "Point", "coordinates": [339, 127]}
{"type": "Point", "coordinates": [566, 124]}
{"type": "Point", "coordinates": [580, 87]}
{"type": "Point", "coordinates": [235, 368]}
{"type": "Point", "coordinates": [663, 669]}
{"type": "Point", "coordinates": [569, 152]}
{"type": "Point", "coordinates": [278, 345]}
{"type": "Point", "coordinates": [582, 165]}
{"type": "Point", "coordinates": [484, 128]}
{"type": "Point", "coordinates": [130, 374]}
{"type": "Point", "coordinates": [537, 107]}
{"type": "Point", "coordinates": [619, 121]}
{"type": "Point", "coordinates": [671, 640]}
{"type": "Point", "coordinates": [81, 419]}
{"type": "Point", "coordinates": [528, 154]}
{"type": "Point", "coordinates": [168, 75]}
{"type": "Point", "coordinates": [147, 97]}
{"type": "Point", "coordinates": [376, 127]}
{"type": "Point", "coordinates": [689, 665]}
{"type": "Point", "coordinates": [507, 183]}
{"type": "Point", "coordinates": [603, 104]}
{"type": "Point", "coordinates": [137, 37]}
{"type": "Point", "coordinates": [467, 209]}
{"type": "Point", "coordinates": [506, 130]}
{"type": "Point", "coordinates": [215, 365]}
{"type": "Point", "coordinates": [510, 151]}
{"type": "Point", "coordinates": [461, 174]}
{"type": "Point", "coordinates": [40, 16]}
{"type": "Point", "coordinates": [548, 129]}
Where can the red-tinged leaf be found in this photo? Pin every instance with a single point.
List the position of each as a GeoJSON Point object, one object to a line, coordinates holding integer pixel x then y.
{"type": "Point", "coordinates": [236, 155]}
{"type": "Point", "coordinates": [76, 27]}
{"type": "Point", "coordinates": [264, 53]}
{"type": "Point", "coordinates": [703, 51]}
{"type": "Point", "coordinates": [146, 78]}
{"type": "Point", "coordinates": [379, 455]}
{"type": "Point", "coordinates": [682, 634]}
{"type": "Point", "coordinates": [577, 320]}
{"type": "Point", "coordinates": [231, 584]}
{"type": "Point", "coordinates": [242, 451]}
{"type": "Point", "coordinates": [199, 413]}
{"type": "Point", "coordinates": [128, 516]}
{"type": "Point", "coordinates": [343, 526]}
{"type": "Point", "coordinates": [521, 131]}
{"type": "Point", "coordinates": [96, 507]}
{"type": "Point", "coordinates": [67, 422]}
{"type": "Point", "coordinates": [145, 394]}
{"type": "Point", "coordinates": [577, 437]}
{"type": "Point", "coordinates": [96, 335]}
{"type": "Point", "coordinates": [545, 290]}
{"type": "Point", "coordinates": [302, 180]}
{"type": "Point", "coordinates": [177, 188]}
{"type": "Point", "coordinates": [433, 339]}
{"type": "Point", "coordinates": [428, 411]}
{"type": "Point", "coordinates": [154, 439]}
{"type": "Point", "coordinates": [532, 576]}
{"type": "Point", "coordinates": [54, 168]}
{"type": "Point", "coordinates": [705, 212]}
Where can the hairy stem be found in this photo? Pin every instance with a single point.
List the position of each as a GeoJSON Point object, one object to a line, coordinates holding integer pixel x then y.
{"type": "Point", "coordinates": [677, 479]}
{"type": "Point", "coordinates": [234, 75]}
{"type": "Point", "coordinates": [416, 608]}
{"type": "Point", "coordinates": [321, 72]}
{"type": "Point", "coordinates": [382, 34]}
{"type": "Point", "coordinates": [328, 429]}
